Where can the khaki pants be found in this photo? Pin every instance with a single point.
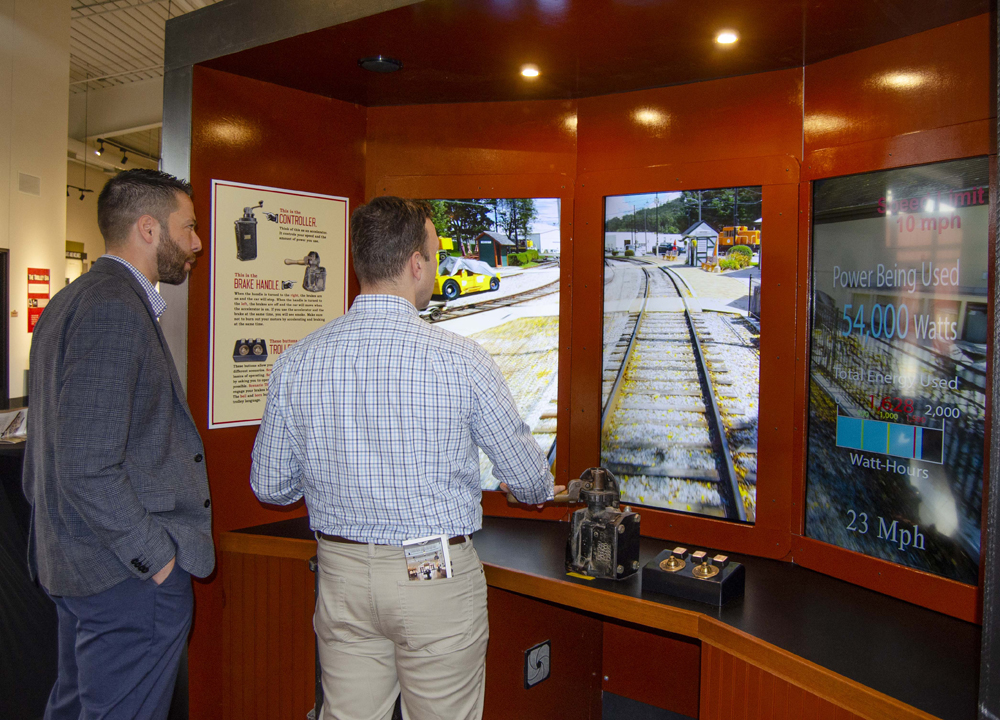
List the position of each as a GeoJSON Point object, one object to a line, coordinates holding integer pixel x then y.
{"type": "Point", "coordinates": [381, 634]}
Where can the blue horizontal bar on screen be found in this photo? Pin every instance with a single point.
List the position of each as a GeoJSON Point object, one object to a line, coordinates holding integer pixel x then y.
{"type": "Point", "coordinates": [886, 438]}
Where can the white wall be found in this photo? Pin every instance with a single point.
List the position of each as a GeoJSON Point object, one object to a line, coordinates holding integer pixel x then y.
{"type": "Point", "coordinates": [81, 215]}
{"type": "Point", "coordinates": [547, 242]}
{"type": "Point", "coordinates": [34, 85]}
{"type": "Point", "coordinates": [108, 112]}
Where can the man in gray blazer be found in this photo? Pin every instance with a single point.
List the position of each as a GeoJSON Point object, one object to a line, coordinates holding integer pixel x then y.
{"type": "Point", "coordinates": [114, 467]}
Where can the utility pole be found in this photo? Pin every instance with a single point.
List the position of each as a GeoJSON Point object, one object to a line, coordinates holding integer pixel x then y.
{"type": "Point", "coordinates": [645, 231]}
{"type": "Point", "coordinates": [657, 201]}
{"type": "Point", "coordinates": [633, 228]}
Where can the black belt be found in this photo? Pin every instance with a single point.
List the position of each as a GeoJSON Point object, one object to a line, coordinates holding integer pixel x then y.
{"type": "Point", "coordinates": [457, 540]}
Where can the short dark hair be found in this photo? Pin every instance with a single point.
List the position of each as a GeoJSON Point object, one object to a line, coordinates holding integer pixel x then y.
{"type": "Point", "coordinates": [384, 235]}
{"type": "Point", "coordinates": [134, 193]}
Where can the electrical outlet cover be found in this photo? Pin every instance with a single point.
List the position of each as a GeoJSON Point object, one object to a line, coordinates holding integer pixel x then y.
{"type": "Point", "coordinates": [537, 662]}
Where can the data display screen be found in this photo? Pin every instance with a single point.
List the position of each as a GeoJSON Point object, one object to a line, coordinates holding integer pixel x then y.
{"type": "Point", "coordinates": [681, 360]}
{"type": "Point", "coordinates": [897, 375]}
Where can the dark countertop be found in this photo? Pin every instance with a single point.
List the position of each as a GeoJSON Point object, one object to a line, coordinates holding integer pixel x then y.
{"type": "Point", "coordinates": [918, 656]}
{"type": "Point", "coordinates": [12, 449]}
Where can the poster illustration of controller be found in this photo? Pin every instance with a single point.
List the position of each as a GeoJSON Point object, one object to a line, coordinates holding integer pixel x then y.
{"type": "Point", "coordinates": [279, 264]}
{"type": "Point", "coordinates": [897, 377]}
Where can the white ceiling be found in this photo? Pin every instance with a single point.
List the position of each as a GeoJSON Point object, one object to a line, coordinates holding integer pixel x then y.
{"type": "Point", "coordinates": [114, 42]}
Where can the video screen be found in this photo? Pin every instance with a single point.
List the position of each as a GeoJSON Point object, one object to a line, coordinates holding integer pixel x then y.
{"type": "Point", "coordinates": [498, 284]}
{"type": "Point", "coordinates": [681, 362]}
{"type": "Point", "coordinates": [898, 365]}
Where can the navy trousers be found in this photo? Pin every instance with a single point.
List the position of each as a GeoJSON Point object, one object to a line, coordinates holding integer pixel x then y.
{"type": "Point", "coordinates": [119, 650]}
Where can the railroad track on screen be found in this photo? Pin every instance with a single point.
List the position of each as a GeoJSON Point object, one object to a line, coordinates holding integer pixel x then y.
{"type": "Point", "coordinates": [450, 313]}
{"type": "Point", "coordinates": [662, 428]}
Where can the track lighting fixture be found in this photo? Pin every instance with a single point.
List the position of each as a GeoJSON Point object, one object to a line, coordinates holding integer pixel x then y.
{"type": "Point", "coordinates": [83, 191]}
{"type": "Point", "coordinates": [125, 150]}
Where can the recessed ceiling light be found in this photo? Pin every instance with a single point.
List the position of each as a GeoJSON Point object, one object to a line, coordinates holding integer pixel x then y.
{"type": "Point", "coordinates": [380, 64]}
{"type": "Point", "coordinates": [530, 71]}
{"type": "Point", "coordinates": [726, 37]}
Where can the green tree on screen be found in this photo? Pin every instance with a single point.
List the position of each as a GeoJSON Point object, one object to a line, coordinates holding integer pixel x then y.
{"type": "Point", "coordinates": [466, 219]}
{"type": "Point", "coordinates": [514, 216]}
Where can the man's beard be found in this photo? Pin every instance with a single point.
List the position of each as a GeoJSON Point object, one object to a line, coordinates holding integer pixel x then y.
{"type": "Point", "coordinates": [170, 260]}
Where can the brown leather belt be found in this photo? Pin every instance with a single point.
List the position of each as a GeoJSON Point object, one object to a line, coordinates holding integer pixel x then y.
{"type": "Point", "coordinates": [457, 540]}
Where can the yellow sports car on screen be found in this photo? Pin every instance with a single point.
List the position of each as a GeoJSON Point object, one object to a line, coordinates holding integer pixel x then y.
{"type": "Point", "coordinates": [461, 276]}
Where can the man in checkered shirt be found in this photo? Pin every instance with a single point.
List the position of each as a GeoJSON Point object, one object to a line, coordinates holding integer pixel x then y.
{"type": "Point", "coordinates": [376, 419]}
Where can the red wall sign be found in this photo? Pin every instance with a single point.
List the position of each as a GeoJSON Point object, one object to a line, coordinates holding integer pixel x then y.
{"type": "Point", "coordinates": [38, 294]}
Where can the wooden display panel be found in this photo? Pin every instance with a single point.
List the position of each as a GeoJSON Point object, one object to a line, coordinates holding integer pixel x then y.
{"type": "Point", "coordinates": [268, 646]}
{"type": "Point", "coordinates": [572, 690]}
{"type": "Point", "coordinates": [733, 689]}
{"type": "Point", "coordinates": [658, 669]}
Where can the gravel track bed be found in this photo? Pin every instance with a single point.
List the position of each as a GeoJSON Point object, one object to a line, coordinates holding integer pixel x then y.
{"type": "Point", "coordinates": [736, 341]}
{"type": "Point", "coordinates": [684, 495]}
{"type": "Point", "coordinates": [659, 422]}
{"type": "Point", "coordinates": [527, 352]}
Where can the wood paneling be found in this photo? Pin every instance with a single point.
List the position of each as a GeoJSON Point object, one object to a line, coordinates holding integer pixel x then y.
{"type": "Point", "coordinates": [733, 689]}
{"type": "Point", "coordinates": [794, 671]}
{"type": "Point", "coordinates": [658, 669]}
{"type": "Point", "coordinates": [267, 638]}
{"type": "Point", "coordinates": [937, 79]}
{"type": "Point", "coordinates": [253, 132]}
{"type": "Point", "coordinates": [477, 140]}
{"type": "Point", "coordinates": [649, 651]}
{"type": "Point", "coordinates": [573, 689]}
{"type": "Point", "coordinates": [471, 51]}
{"type": "Point", "coordinates": [757, 116]}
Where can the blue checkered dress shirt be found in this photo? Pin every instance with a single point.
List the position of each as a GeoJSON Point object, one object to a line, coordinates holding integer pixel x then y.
{"type": "Point", "coordinates": [156, 300]}
{"type": "Point", "coordinates": [375, 419]}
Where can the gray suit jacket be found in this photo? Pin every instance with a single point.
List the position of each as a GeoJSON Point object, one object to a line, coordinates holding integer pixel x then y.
{"type": "Point", "coordinates": [114, 466]}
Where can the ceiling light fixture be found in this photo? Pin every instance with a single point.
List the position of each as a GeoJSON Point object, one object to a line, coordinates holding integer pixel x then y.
{"type": "Point", "coordinates": [99, 151]}
{"type": "Point", "coordinates": [125, 150]}
{"type": "Point", "coordinates": [83, 191]}
{"type": "Point", "coordinates": [530, 71]}
{"type": "Point", "coordinates": [380, 64]}
{"type": "Point", "coordinates": [726, 37]}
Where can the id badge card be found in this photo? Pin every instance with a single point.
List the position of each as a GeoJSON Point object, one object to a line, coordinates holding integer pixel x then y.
{"type": "Point", "coordinates": [427, 558]}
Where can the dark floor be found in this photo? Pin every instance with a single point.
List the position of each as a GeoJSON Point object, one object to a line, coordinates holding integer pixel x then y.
{"type": "Point", "coordinates": [616, 707]}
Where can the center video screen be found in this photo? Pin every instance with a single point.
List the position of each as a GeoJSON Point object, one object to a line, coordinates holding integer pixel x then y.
{"type": "Point", "coordinates": [498, 284]}
{"type": "Point", "coordinates": [681, 360]}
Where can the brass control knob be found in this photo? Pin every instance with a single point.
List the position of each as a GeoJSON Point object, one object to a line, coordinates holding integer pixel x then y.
{"type": "Point", "coordinates": [706, 569]}
{"type": "Point", "coordinates": [676, 560]}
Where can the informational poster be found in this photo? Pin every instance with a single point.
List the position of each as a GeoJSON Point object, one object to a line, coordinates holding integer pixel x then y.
{"type": "Point", "coordinates": [681, 360]}
{"type": "Point", "coordinates": [897, 397]}
{"type": "Point", "coordinates": [498, 284]}
{"type": "Point", "coordinates": [279, 264]}
{"type": "Point", "coordinates": [39, 289]}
